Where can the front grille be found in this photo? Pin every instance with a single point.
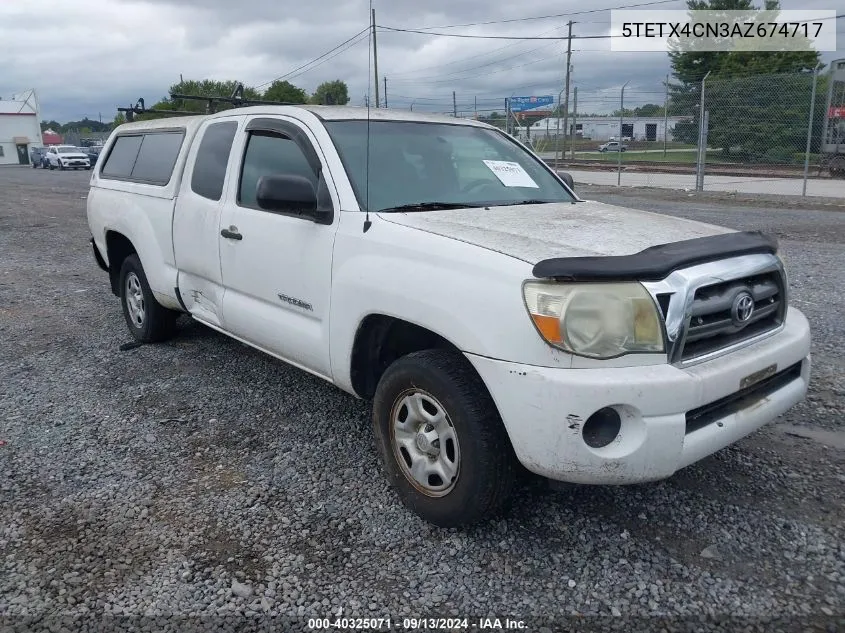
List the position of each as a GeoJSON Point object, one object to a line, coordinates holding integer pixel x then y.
{"type": "Point", "coordinates": [742, 399]}
{"type": "Point", "coordinates": [715, 321]}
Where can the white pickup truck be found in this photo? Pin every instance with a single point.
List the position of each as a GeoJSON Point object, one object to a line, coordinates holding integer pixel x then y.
{"type": "Point", "coordinates": [440, 269]}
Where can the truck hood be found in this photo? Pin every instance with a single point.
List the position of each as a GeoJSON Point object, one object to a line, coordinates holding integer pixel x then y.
{"type": "Point", "coordinates": [536, 232]}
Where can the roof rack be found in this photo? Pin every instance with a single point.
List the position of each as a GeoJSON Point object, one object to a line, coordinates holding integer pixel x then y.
{"type": "Point", "coordinates": [236, 99]}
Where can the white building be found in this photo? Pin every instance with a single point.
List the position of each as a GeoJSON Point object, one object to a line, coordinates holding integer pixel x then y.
{"type": "Point", "coordinates": [603, 128]}
{"type": "Point", "coordinates": [20, 128]}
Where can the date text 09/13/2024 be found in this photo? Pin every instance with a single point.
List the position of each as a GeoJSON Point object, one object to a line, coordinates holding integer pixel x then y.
{"type": "Point", "coordinates": [415, 624]}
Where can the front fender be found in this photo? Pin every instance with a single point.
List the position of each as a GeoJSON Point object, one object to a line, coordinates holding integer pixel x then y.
{"type": "Point", "coordinates": [468, 295]}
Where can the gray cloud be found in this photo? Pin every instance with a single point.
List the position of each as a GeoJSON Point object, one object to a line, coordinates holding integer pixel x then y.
{"type": "Point", "coordinates": [86, 57]}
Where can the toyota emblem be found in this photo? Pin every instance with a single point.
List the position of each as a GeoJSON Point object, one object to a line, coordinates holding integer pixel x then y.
{"type": "Point", "coordinates": [743, 308]}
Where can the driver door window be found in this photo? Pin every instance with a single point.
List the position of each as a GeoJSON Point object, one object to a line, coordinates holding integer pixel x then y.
{"type": "Point", "coordinates": [270, 153]}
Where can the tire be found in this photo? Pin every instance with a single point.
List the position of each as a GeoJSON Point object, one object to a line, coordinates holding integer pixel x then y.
{"type": "Point", "coordinates": [476, 446]}
{"type": "Point", "coordinates": [146, 318]}
{"type": "Point", "coordinates": [61, 166]}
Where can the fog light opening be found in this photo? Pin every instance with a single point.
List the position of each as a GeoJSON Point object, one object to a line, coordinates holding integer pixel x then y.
{"type": "Point", "coordinates": [602, 427]}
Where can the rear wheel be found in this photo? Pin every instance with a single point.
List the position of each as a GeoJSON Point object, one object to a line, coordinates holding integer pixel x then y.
{"type": "Point", "coordinates": [441, 440]}
{"type": "Point", "coordinates": [148, 320]}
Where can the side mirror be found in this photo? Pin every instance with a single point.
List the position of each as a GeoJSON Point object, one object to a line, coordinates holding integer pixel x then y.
{"type": "Point", "coordinates": [291, 194]}
{"type": "Point", "coordinates": [568, 179]}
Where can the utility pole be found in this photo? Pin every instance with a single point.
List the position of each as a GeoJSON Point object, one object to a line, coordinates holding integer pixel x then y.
{"type": "Point", "coordinates": [507, 115]}
{"type": "Point", "coordinates": [574, 124]}
{"type": "Point", "coordinates": [454, 105]}
{"type": "Point", "coordinates": [666, 116]}
{"type": "Point", "coordinates": [375, 56]}
{"type": "Point", "coordinates": [385, 91]}
{"type": "Point", "coordinates": [566, 89]}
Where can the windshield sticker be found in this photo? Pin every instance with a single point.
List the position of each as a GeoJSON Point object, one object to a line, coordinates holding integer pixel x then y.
{"type": "Point", "coordinates": [511, 174]}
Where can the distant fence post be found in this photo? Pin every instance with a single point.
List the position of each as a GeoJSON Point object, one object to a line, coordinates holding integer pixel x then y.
{"type": "Point", "coordinates": [666, 117]}
{"type": "Point", "coordinates": [619, 140]}
{"type": "Point", "coordinates": [699, 168]}
{"type": "Point", "coordinates": [810, 129]}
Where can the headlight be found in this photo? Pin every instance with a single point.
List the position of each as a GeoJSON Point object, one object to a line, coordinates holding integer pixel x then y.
{"type": "Point", "coordinates": [599, 320]}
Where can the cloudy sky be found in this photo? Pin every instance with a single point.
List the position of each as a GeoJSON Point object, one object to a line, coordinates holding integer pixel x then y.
{"type": "Point", "coordinates": [86, 57]}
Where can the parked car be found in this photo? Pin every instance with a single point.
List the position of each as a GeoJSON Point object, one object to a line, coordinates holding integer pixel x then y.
{"type": "Point", "coordinates": [38, 157]}
{"type": "Point", "coordinates": [93, 153]}
{"type": "Point", "coordinates": [67, 157]}
{"type": "Point", "coordinates": [612, 146]}
{"type": "Point", "coordinates": [438, 268]}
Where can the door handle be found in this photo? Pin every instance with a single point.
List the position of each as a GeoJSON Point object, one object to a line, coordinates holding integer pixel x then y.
{"type": "Point", "coordinates": [231, 233]}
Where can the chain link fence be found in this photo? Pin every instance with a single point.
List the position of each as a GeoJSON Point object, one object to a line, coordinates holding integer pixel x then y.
{"type": "Point", "coordinates": [763, 133]}
{"type": "Point", "coordinates": [84, 138]}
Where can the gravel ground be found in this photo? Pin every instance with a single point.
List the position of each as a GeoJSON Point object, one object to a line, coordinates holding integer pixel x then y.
{"type": "Point", "coordinates": [202, 478]}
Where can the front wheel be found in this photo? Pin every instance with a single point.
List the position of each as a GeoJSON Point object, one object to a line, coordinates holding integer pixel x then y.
{"type": "Point", "coordinates": [441, 440]}
{"type": "Point", "coordinates": [148, 320]}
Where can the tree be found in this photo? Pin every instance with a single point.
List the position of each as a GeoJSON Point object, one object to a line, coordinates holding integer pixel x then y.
{"type": "Point", "coordinates": [752, 97]}
{"type": "Point", "coordinates": [286, 92]}
{"type": "Point", "coordinates": [203, 88]}
{"type": "Point", "coordinates": [51, 125]}
{"type": "Point", "coordinates": [331, 93]}
{"type": "Point", "coordinates": [627, 113]}
{"type": "Point", "coordinates": [649, 109]}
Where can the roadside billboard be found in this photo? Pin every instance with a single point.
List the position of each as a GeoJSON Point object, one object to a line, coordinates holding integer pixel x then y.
{"type": "Point", "coordinates": [532, 105]}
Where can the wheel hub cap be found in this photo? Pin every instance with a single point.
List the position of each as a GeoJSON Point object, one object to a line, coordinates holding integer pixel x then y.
{"type": "Point", "coordinates": [425, 443]}
{"type": "Point", "coordinates": [135, 300]}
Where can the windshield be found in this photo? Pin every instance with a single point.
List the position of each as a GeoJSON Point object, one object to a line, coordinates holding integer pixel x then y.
{"type": "Point", "coordinates": [415, 163]}
{"type": "Point", "coordinates": [69, 150]}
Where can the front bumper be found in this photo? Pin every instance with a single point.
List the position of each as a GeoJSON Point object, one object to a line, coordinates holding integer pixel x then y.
{"type": "Point", "coordinates": [544, 408]}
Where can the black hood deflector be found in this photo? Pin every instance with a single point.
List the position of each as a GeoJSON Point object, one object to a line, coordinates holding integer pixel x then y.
{"type": "Point", "coordinates": [656, 262]}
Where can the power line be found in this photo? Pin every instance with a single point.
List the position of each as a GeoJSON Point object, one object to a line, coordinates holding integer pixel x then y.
{"type": "Point", "coordinates": [497, 37]}
{"type": "Point", "coordinates": [547, 17]}
{"type": "Point", "coordinates": [484, 54]}
{"type": "Point", "coordinates": [526, 38]}
{"type": "Point", "coordinates": [360, 40]}
{"type": "Point", "coordinates": [316, 59]}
